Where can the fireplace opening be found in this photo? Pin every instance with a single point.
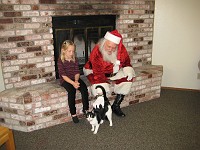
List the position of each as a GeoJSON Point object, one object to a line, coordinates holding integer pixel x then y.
{"type": "Point", "coordinates": [84, 31]}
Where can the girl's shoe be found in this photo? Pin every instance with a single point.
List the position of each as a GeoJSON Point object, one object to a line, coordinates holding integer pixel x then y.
{"type": "Point", "coordinates": [75, 119]}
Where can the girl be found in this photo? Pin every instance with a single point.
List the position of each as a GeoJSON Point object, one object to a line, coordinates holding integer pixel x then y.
{"type": "Point", "coordinates": [69, 78]}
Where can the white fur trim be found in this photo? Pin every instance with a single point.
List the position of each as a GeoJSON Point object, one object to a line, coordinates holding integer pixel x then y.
{"type": "Point", "coordinates": [87, 71]}
{"type": "Point", "coordinates": [116, 66]}
{"type": "Point", "coordinates": [112, 38]}
{"type": "Point", "coordinates": [119, 75]}
{"type": "Point", "coordinates": [129, 70]}
{"type": "Point", "coordinates": [123, 88]}
{"type": "Point", "coordinates": [94, 91]}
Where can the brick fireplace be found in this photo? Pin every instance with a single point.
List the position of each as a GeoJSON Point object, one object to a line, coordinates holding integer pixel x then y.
{"type": "Point", "coordinates": [85, 31]}
{"type": "Point", "coordinates": [33, 99]}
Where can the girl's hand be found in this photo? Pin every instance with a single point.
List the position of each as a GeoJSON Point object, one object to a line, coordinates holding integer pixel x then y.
{"type": "Point", "coordinates": [76, 85]}
{"type": "Point", "coordinates": [76, 81]}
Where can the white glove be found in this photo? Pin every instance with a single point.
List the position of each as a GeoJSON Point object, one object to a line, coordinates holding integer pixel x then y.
{"type": "Point", "coordinates": [130, 76]}
{"type": "Point", "coordinates": [119, 75]}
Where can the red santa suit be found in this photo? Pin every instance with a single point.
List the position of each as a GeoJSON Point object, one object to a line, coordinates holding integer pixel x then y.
{"type": "Point", "coordinates": [98, 71]}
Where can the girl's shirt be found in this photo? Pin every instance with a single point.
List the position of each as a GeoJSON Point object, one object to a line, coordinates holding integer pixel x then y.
{"type": "Point", "coordinates": [67, 68]}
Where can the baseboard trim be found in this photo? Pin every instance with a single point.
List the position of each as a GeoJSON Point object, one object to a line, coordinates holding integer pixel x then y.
{"type": "Point", "coordinates": [181, 89]}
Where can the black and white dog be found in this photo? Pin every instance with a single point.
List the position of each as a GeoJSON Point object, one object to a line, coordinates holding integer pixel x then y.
{"type": "Point", "coordinates": [101, 110]}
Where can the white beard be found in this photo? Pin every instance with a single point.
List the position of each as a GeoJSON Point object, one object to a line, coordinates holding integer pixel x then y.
{"type": "Point", "coordinates": [109, 58]}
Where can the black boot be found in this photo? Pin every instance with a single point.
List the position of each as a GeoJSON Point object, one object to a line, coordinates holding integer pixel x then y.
{"type": "Point", "coordinates": [116, 105]}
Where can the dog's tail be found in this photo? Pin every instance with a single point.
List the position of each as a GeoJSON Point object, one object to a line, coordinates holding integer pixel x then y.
{"type": "Point", "coordinates": [103, 90]}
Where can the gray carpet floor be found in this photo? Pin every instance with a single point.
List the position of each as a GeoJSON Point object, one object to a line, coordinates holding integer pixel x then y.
{"type": "Point", "coordinates": [171, 122]}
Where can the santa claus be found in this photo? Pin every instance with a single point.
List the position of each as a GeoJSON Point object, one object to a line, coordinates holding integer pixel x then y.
{"type": "Point", "coordinates": [109, 61]}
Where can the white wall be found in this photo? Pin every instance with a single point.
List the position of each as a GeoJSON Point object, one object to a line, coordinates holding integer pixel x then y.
{"type": "Point", "coordinates": [176, 42]}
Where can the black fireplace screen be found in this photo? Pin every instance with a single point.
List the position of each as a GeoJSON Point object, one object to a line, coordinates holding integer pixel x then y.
{"type": "Point", "coordinates": [84, 31]}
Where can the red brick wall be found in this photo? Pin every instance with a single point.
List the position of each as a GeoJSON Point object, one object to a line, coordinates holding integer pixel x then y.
{"type": "Point", "coordinates": [26, 43]}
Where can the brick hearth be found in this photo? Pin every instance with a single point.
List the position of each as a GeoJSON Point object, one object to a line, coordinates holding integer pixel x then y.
{"type": "Point", "coordinates": [32, 98]}
{"type": "Point", "coordinates": [45, 105]}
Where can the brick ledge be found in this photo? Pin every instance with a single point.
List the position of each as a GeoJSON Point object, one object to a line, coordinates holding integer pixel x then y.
{"type": "Point", "coordinates": [44, 105]}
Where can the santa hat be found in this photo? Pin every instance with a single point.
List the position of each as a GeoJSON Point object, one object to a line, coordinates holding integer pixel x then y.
{"type": "Point", "coordinates": [113, 36]}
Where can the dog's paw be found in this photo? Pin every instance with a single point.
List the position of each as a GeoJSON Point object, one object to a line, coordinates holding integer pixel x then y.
{"type": "Point", "coordinates": [101, 122]}
{"type": "Point", "coordinates": [94, 132]}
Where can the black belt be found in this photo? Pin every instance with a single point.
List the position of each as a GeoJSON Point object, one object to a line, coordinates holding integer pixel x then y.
{"type": "Point", "coordinates": [110, 74]}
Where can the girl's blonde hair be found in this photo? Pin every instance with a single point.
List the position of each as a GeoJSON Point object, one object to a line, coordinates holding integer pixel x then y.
{"type": "Point", "coordinates": [64, 47]}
